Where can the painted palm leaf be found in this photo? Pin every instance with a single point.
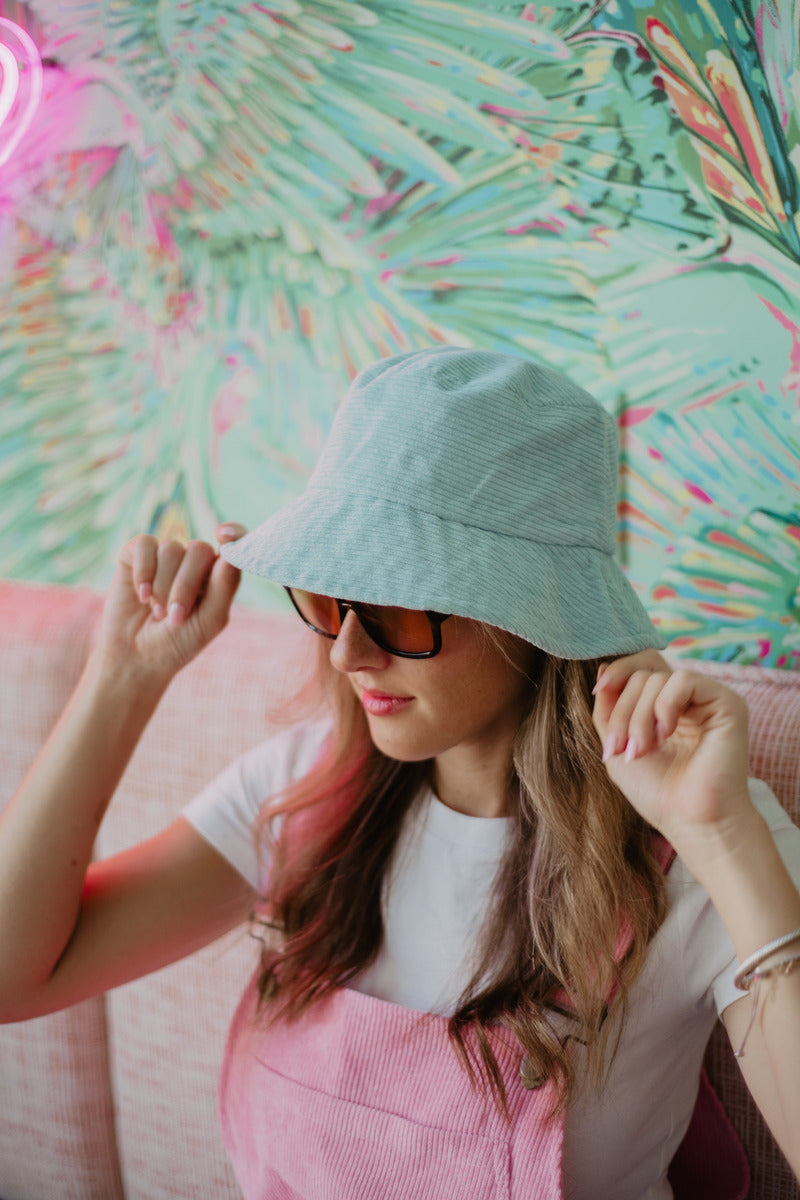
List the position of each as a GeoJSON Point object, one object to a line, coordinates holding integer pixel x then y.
{"type": "Point", "coordinates": [267, 212]}
{"type": "Point", "coordinates": [733, 592]}
{"type": "Point", "coordinates": [727, 69]}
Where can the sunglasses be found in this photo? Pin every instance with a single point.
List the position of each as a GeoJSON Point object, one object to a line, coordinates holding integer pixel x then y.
{"type": "Point", "coordinates": [406, 632]}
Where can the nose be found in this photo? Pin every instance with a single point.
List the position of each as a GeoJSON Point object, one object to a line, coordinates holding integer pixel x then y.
{"type": "Point", "coordinates": [354, 649]}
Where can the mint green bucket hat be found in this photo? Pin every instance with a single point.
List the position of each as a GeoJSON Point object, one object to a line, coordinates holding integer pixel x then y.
{"type": "Point", "coordinates": [465, 482]}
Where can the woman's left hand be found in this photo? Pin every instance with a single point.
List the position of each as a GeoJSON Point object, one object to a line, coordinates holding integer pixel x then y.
{"type": "Point", "coordinates": [674, 743]}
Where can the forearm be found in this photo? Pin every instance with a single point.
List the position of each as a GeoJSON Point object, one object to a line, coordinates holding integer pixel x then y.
{"type": "Point", "coordinates": [754, 894]}
{"type": "Point", "coordinates": [49, 828]}
{"type": "Point", "coordinates": [741, 869]}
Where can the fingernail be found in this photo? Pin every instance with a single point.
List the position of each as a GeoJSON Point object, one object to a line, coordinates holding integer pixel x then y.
{"type": "Point", "coordinates": [631, 750]}
{"type": "Point", "coordinates": [159, 612]}
{"type": "Point", "coordinates": [229, 531]}
{"type": "Point", "coordinates": [609, 747]}
{"type": "Point", "coordinates": [177, 613]}
{"type": "Point", "coordinates": [145, 592]}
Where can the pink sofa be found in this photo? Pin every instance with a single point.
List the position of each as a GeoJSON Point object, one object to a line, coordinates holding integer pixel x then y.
{"type": "Point", "coordinates": [115, 1098]}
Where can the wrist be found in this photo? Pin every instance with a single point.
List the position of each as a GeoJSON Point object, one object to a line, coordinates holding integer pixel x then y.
{"type": "Point", "coordinates": [707, 846]}
{"type": "Point", "coordinates": [740, 867]}
{"type": "Point", "coordinates": [125, 679]}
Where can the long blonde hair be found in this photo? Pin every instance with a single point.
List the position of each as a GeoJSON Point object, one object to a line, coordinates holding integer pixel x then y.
{"type": "Point", "coordinates": [580, 868]}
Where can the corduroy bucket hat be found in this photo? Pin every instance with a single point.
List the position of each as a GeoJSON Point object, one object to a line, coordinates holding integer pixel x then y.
{"type": "Point", "coordinates": [465, 482]}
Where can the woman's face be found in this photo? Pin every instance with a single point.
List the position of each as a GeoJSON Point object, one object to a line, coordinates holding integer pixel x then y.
{"type": "Point", "coordinates": [462, 707]}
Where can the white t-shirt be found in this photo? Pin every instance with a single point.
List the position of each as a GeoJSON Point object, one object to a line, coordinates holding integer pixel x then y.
{"type": "Point", "coordinates": [616, 1146]}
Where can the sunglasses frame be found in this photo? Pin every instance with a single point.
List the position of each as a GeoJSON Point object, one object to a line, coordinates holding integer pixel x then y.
{"type": "Point", "coordinates": [435, 620]}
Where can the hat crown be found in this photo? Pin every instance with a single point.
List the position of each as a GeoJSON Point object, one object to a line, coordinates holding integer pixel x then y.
{"type": "Point", "coordinates": [466, 482]}
{"type": "Point", "coordinates": [488, 440]}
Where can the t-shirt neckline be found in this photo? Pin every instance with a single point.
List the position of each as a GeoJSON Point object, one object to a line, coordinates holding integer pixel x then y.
{"type": "Point", "coordinates": [489, 834]}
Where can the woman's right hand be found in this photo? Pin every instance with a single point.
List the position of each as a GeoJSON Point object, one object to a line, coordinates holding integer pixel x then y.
{"type": "Point", "coordinates": [166, 602]}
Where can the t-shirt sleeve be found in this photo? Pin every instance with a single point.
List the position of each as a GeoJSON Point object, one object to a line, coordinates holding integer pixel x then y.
{"type": "Point", "coordinates": [787, 839]}
{"type": "Point", "coordinates": [225, 811]}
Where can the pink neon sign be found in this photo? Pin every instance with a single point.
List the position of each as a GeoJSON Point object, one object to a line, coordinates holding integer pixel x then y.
{"type": "Point", "coordinates": [20, 85]}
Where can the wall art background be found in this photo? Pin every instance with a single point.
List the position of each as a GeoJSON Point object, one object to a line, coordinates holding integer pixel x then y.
{"type": "Point", "coordinates": [220, 211]}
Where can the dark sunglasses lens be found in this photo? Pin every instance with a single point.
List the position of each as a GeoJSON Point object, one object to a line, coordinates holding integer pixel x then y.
{"type": "Point", "coordinates": [321, 612]}
{"type": "Point", "coordinates": [400, 629]}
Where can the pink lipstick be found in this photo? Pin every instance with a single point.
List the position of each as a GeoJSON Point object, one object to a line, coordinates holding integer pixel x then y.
{"type": "Point", "coordinates": [380, 704]}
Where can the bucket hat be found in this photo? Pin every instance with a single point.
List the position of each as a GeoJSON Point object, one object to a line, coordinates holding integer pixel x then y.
{"type": "Point", "coordinates": [465, 482]}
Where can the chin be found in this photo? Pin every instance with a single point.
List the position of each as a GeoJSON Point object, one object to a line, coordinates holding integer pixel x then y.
{"type": "Point", "coordinates": [402, 749]}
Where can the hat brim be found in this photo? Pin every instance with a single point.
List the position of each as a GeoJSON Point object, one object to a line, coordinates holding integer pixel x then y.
{"type": "Point", "coordinates": [572, 601]}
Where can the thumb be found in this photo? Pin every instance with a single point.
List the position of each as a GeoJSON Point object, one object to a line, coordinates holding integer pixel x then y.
{"type": "Point", "coordinates": [230, 532]}
{"type": "Point", "coordinates": [224, 578]}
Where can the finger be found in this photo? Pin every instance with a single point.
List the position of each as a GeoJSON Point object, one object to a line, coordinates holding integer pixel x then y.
{"type": "Point", "coordinates": [675, 701]}
{"type": "Point", "coordinates": [215, 605]}
{"type": "Point", "coordinates": [645, 733]}
{"type": "Point", "coordinates": [690, 693]}
{"type": "Point", "coordinates": [613, 676]}
{"type": "Point", "coordinates": [190, 581]}
{"type": "Point", "coordinates": [613, 710]}
{"type": "Point", "coordinates": [169, 558]}
{"type": "Point", "coordinates": [143, 565]}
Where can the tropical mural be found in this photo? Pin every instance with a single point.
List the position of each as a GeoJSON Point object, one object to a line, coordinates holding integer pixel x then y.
{"type": "Point", "coordinates": [217, 212]}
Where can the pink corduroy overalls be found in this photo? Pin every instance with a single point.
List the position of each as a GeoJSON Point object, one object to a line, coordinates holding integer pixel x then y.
{"type": "Point", "coordinates": [361, 1099]}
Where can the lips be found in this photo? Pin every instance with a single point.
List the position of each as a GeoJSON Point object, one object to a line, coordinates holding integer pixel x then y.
{"type": "Point", "coordinates": [382, 704]}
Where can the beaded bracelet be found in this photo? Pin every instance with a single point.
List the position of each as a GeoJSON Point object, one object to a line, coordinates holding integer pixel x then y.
{"type": "Point", "coordinates": [756, 974]}
{"type": "Point", "coordinates": [771, 969]}
{"type": "Point", "coordinates": [747, 969]}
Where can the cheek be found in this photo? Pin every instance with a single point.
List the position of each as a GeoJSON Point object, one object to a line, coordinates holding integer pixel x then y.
{"type": "Point", "coordinates": [473, 701]}
{"type": "Point", "coordinates": [445, 710]}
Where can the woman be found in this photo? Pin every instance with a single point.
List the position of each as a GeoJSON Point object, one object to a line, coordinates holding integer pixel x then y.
{"type": "Point", "coordinates": [482, 973]}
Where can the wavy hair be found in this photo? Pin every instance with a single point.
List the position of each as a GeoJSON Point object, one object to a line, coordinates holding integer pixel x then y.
{"type": "Point", "coordinates": [579, 873]}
